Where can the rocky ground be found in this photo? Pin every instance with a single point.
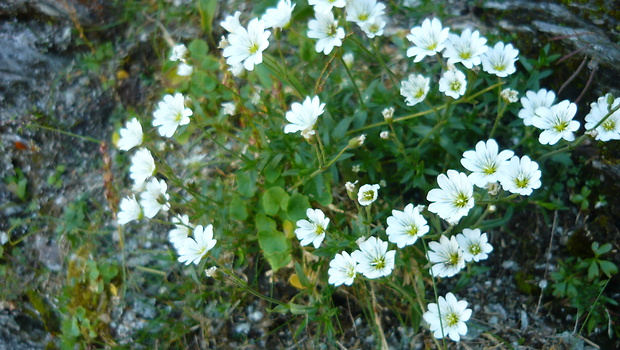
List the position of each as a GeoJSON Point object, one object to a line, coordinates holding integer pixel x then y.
{"type": "Point", "coordinates": [56, 110]}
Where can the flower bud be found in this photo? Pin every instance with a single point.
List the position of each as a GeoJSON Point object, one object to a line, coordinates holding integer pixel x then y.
{"type": "Point", "coordinates": [384, 135]}
{"type": "Point", "coordinates": [351, 189]}
{"type": "Point", "coordinates": [388, 114]}
{"type": "Point", "coordinates": [357, 141]}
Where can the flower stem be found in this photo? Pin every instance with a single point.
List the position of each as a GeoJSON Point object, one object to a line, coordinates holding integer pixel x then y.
{"type": "Point", "coordinates": [500, 108]}
{"type": "Point", "coordinates": [357, 90]}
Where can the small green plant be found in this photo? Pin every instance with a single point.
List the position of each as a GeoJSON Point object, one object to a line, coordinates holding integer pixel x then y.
{"type": "Point", "coordinates": [582, 282]}
{"type": "Point", "coordinates": [18, 184]}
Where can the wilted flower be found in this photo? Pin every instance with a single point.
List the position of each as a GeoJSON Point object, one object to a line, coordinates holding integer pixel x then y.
{"type": "Point", "coordinates": [171, 113]}
{"type": "Point", "coordinates": [405, 227]}
{"type": "Point", "coordinates": [414, 89]}
{"type": "Point", "coordinates": [427, 39]}
{"type": "Point", "coordinates": [367, 194]}
{"type": "Point", "coordinates": [374, 259]}
{"type": "Point", "coordinates": [312, 231]}
{"type": "Point", "coordinates": [448, 318]}
{"type": "Point", "coordinates": [229, 108]}
{"type": "Point", "coordinates": [194, 249]}
{"type": "Point", "coordinates": [131, 135]}
{"type": "Point", "coordinates": [325, 28]}
{"type": "Point", "coordinates": [178, 53]}
{"type": "Point", "coordinates": [509, 95]}
{"type": "Point", "coordinates": [342, 269]}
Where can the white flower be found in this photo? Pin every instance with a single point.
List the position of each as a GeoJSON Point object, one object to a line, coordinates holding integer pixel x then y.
{"type": "Point", "coordinates": [303, 117]}
{"type": "Point", "coordinates": [247, 46]}
{"type": "Point", "coordinates": [184, 70]}
{"type": "Point", "coordinates": [312, 231]}
{"type": "Point", "coordinates": [142, 166]}
{"type": "Point", "coordinates": [454, 198]}
{"type": "Point", "coordinates": [131, 135]}
{"type": "Point", "coordinates": [385, 135]}
{"type": "Point", "coordinates": [326, 29]}
{"type": "Point", "coordinates": [373, 27]}
{"type": "Point", "coordinates": [374, 259]}
{"type": "Point", "coordinates": [229, 108]}
{"type": "Point", "coordinates": [610, 128]}
{"type": "Point", "coordinates": [231, 23]}
{"type": "Point", "coordinates": [451, 314]}
{"type": "Point", "coordinates": [171, 113]}
{"type": "Point", "coordinates": [348, 59]}
{"type": "Point", "coordinates": [446, 257]}
{"type": "Point", "coordinates": [509, 95]}
{"type": "Point", "coordinates": [363, 11]}
{"type": "Point", "coordinates": [556, 122]}
{"type": "Point", "coordinates": [485, 162]}
{"type": "Point", "coordinates": [178, 52]}
{"type": "Point", "coordinates": [453, 83]}
{"type": "Point", "coordinates": [520, 176]}
{"type": "Point", "coordinates": [534, 100]}
{"type": "Point", "coordinates": [388, 113]}
{"type": "Point", "coordinates": [466, 48]}
{"type": "Point", "coordinates": [367, 194]}
{"type": "Point", "coordinates": [500, 60]}
{"type": "Point", "coordinates": [130, 210]}
{"type": "Point", "coordinates": [415, 89]}
{"type": "Point", "coordinates": [342, 269]}
{"type": "Point", "coordinates": [405, 227]}
{"type": "Point", "coordinates": [427, 39]}
{"type": "Point", "coordinates": [475, 245]}
{"type": "Point", "coordinates": [154, 198]}
{"type": "Point", "coordinates": [177, 235]}
{"type": "Point", "coordinates": [326, 5]}
{"type": "Point", "coordinates": [280, 16]}
{"type": "Point", "coordinates": [194, 249]}
{"type": "Point", "coordinates": [210, 272]}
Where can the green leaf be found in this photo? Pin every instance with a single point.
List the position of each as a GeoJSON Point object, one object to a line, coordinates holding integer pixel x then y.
{"type": "Point", "coordinates": [608, 267]}
{"type": "Point", "coordinates": [593, 271]}
{"type": "Point", "coordinates": [273, 199]}
{"type": "Point", "coordinates": [206, 8]}
{"type": "Point", "coordinates": [297, 309]}
{"type": "Point", "coordinates": [303, 279]}
{"type": "Point", "coordinates": [264, 223]}
{"type": "Point", "coordinates": [238, 209]}
{"type": "Point", "coordinates": [298, 204]}
{"type": "Point", "coordinates": [246, 183]}
{"type": "Point", "coordinates": [605, 248]}
{"type": "Point", "coordinates": [198, 48]}
{"type": "Point", "coordinates": [273, 169]}
{"type": "Point", "coordinates": [276, 248]}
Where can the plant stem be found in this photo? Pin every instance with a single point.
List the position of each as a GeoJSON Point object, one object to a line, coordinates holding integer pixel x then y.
{"type": "Point", "coordinates": [357, 90]}
{"type": "Point", "coordinates": [500, 111]}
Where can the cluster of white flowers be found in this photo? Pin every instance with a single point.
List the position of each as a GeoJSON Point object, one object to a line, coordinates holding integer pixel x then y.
{"type": "Point", "coordinates": [449, 255]}
{"type": "Point", "coordinates": [556, 120]}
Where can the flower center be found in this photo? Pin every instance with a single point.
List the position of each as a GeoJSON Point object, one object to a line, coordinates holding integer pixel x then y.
{"type": "Point", "coordinates": [378, 263]}
{"type": "Point", "coordinates": [609, 125]}
{"type": "Point", "coordinates": [522, 181]}
{"type": "Point", "coordinates": [461, 200]}
{"type": "Point", "coordinates": [561, 126]}
{"type": "Point", "coordinates": [455, 86]}
{"type": "Point", "coordinates": [363, 16]}
{"type": "Point", "coordinates": [475, 249]}
{"type": "Point", "coordinates": [465, 55]}
{"type": "Point", "coordinates": [432, 46]}
{"type": "Point", "coordinates": [369, 195]}
{"type": "Point", "coordinates": [412, 230]}
{"type": "Point", "coordinates": [318, 229]}
{"type": "Point", "coordinates": [489, 169]}
{"type": "Point", "coordinates": [499, 67]}
{"type": "Point", "coordinates": [332, 30]}
{"type": "Point", "coordinates": [453, 259]}
{"type": "Point", "coordinates": [253, 49]}
{"type": "Point", "coordinates": [452, 319]}
{"type": "Point", "coordinates": [419, 93]}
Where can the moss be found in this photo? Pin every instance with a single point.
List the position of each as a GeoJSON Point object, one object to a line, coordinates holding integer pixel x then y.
{"type": "Point", "coordinates": [526, 283]}
{"type": "Point", "coordinates": [579, 245]}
